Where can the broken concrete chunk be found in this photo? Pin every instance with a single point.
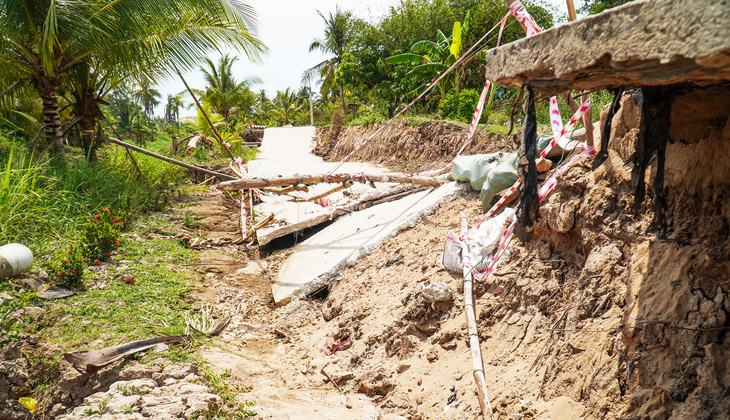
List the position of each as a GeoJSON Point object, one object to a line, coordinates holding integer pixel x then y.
{"type": "Point", "coordinates": [435, 292]}
{"type": "Point", "coordinates": [370, 412]}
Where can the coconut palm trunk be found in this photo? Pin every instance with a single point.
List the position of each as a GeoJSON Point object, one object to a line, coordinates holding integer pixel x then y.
{"type": "Point", "coordinates": [48, 90]}
{"type": "Point", "coordinates": [342, 97]}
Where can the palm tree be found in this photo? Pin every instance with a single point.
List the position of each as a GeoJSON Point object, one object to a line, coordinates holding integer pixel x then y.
{"type": "Point", "coordinates": [148, 97]}
{"type": "Point", "coordinates": [336, 38]}
{"type": "Point", "coordinates": [223, 92]}
{"type": "Point", "coordinates": [172, 108]}
{"type": "Point", "coordinates": [286, 105]}
{"type": "Point", "coordinates": [42, 41]}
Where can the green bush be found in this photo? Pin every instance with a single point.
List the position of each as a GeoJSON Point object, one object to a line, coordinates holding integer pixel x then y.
{"type": "Point", "coordinates": [459, 106]}
{"type": "Point", "coordinates": [100, 235]}
{"type": "Point", "coordinates": [66, 268]}
{"type": "Point", "coordinates": [367, 116]}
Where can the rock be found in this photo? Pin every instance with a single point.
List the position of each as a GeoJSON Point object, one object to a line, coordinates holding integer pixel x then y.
{"type": "Point", "coordinates": [5, 298]}
{"type": "Point", "coordinates": [370, 412]}
{"type": "Point", "coordinates": [120, 403]}
{"type": "Point", "coordinates": [543, 251]}
{"type": "Point", "coordinates": [193, 389]}
{"type": "Point", "coordinates": [257, 267]}
{"type": "Point", "coordinates": [435, 292]}
{"type": "Point", "coordinates": [139, 372]}
{"type": "Point", "coordinates": [173, 371]}
{"type": "Point", "coordinates": [199, 402]}
{"type": "Point", "coordinates": [13, 410]}
{"type": "Point", "coordinates": [348, 401]}
{"type": "Point", "coordinates": [602, 258]}
{"type": "Point", "coordinates": [161, 348]}
{"type": "Point", "coordinates": [164, 411]}
{"type": "Point", "coordinates": [133, 387]}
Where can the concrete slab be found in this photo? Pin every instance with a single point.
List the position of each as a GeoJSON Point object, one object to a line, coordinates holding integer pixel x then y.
{"type": "Point", "coordinates": [316, 261]}
{"type": "Point", "coordinates": [287, 151]}
{"type": "Point", "coordinates": [644, 42]}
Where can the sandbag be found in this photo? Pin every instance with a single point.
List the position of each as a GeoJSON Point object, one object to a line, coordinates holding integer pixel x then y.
{"type": "Point", "coordinates": [489, 173]}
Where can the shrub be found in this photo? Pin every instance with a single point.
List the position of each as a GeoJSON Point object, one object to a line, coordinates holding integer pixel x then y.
{"type": "Point", "coordinates": [459, 106]}
{"type": "Point", "coordinates": [66, 268]}
{"type": "Point", "coordinates": [100, 235]}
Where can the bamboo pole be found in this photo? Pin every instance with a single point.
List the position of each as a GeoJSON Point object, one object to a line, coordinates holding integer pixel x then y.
{"type": "Point", "coordinates": [220, 176]}
{"type": "Point", "coordinates": [571, 10]}
{"type": "Point", "coordinates": [284, 190]}
{"type": "Point", "coordinates": [253, 230]}
{"type": "Point", "coordinates": [205, 114]}
{"type": "Point", "coordinates": [346, 184]}
{"type": "Point", "coordinates": [249, 183]}
{"type": "Point", "coordinates": [471, 323]}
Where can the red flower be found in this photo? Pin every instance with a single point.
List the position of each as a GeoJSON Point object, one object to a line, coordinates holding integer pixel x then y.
{"type": "Point", "coordinates": [97, 216]}
{"type": "Point", "coordinates": [117, 242]}
{"type": "Point", "coordinates": [70, 271]}
{"type": "Point", "coordinates": [61, 274]}
{"type": "Point", "coordinates": [108, 254]}
{"type": "Point", "coordinates": [119, 231]}
{"type": "Point", "coordinates": [69, 250]}
{"type": "Point", "coordinates": [114, 220]}
{"type": "Point", "coordinates": [65, 261]}
{"type": "Point", "coordinates": [107, 210]}
{"type": "Point", "coordinates": [96, 261]}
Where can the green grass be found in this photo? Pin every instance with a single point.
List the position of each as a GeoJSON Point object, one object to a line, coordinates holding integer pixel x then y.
{"type": "Point", "coordinates": [113, 311]}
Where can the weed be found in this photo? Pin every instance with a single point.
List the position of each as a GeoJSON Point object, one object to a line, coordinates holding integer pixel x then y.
{"type": "Point", "coordinates": [99, 409]}
{"type": "Point", "coordinates": [190, 220]}
{"type": "Point", "coordinates": [132, 390]}
{"type": "Point", "coordinates": [128, 409]}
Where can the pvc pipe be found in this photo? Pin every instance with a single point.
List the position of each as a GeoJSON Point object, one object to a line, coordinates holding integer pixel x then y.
{"type": "Point", "coordinates": [15, 259]}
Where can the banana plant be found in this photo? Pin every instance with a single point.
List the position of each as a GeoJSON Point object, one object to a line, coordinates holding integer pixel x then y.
{"type": "Point", "coordinates": [430, 59]}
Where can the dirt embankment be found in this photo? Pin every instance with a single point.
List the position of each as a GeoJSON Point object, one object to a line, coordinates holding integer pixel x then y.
{"type": "Point", "coordinates": [405, 147]}
{"type": "Point", "coordinates": [596, 317]}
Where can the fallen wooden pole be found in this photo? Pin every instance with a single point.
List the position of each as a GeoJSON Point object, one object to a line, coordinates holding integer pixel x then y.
{"type": "Point", "coordinates": [346, 184]}
{"type": "Point", "coordinates": [471, 324]}
{"type": "Point", "coordinates": [284, 190]}
{"type": "Point", "coordinates": [250, 183]}
{"type": "Point", "coordinates": [220, 176]}
{"type": "Point", "coordinates": [253, 230]}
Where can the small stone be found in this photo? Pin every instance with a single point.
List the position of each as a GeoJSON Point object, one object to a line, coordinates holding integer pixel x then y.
{"type": "Point", "coordinates": [164, 411]}
{"type": "Point", "coordinates": [193, 389]}
{"type": "Point", "coordinates": [435, 292]}
{"type": "Point", "coordinates": [161, 348]}
{"type": "Point", "coordinates": [370, 412]}
{"type": "Point", "coordinates": [348, 401]}
{"type": "Point", "coordinates": [139, 372]}
{"type": "Point", "coordinates": [119, 404]}
{"type": "Point", "coordinates": [543, 251]}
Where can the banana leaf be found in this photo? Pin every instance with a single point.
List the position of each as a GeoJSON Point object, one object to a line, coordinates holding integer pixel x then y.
{"type": "Point", "coordinates": [406, 58]}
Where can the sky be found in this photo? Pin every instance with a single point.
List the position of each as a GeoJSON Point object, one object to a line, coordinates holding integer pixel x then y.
{"type": "Point", "coordinates": [288, 27]}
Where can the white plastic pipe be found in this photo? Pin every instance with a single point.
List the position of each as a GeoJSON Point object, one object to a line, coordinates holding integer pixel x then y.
{"type": "Point", "coordinates": [15, 259]}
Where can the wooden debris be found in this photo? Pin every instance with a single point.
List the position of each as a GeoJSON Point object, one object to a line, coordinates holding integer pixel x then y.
{"type": "Point", "coordinates": [88, 362]}
{"type": "Point", "coordinates": [471, 323]}
{"type": "Point", "coordinates": [285, 190]}
{"type": "Point", "coordinates": [346, 184]}
{"type": "Point", "coordinates": [253, 230]}
{"type": "Point", "coordinates": [249, 183]}
{"type": "Point", "coordinates": [219, 175]}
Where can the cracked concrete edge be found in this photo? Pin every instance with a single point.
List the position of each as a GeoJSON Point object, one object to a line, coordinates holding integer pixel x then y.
{"type": "Point", "coordinates": [645, 42]}
{"type": "Point", "coordinates": [326, 279]}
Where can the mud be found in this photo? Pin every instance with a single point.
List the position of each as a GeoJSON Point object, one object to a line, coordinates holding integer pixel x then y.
{"type": "Point", "coordinates": [405, 147]}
